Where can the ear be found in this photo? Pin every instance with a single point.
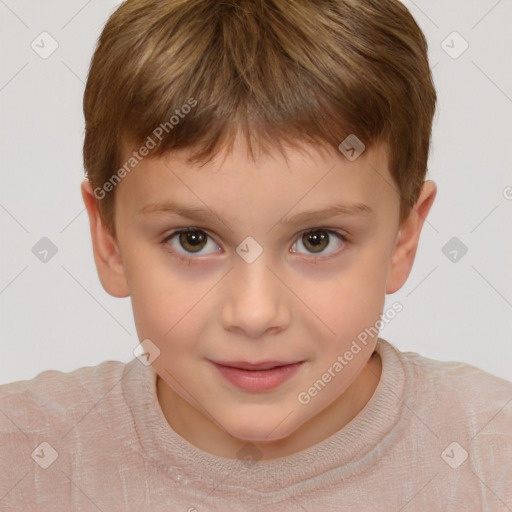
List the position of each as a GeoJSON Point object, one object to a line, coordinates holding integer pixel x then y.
{"type": "Point", "coordinates": [408, 238]}
{"type": "Point", "coordinates": [106, 251]}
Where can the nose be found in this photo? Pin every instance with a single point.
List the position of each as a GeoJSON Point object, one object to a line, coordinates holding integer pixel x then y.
{"type": "Point", "coordinates": [255, 299]}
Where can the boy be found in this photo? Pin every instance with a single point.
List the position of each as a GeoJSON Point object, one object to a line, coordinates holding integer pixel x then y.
{"type": "Point", "coordinates": [256, 184]}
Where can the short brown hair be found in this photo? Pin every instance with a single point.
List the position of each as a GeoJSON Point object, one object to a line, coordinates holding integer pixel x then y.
{"type": "Point", "coordinates": [280, 71]}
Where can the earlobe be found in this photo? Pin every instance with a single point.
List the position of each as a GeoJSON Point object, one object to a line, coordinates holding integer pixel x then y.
{"type": "Point", "coordinates": [106, 250]}
{"type": "Point", "coordinates": [408, 239]}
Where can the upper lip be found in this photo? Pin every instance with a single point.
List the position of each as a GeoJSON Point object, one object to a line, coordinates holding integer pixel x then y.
{"type": "Point", "coordinates": [264, 365]}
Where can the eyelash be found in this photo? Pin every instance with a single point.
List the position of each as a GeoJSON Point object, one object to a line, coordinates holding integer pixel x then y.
{"type": "Point", "coordinates": [343, 238]}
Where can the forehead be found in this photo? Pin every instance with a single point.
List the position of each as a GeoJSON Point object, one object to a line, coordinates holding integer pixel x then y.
{"type": "Point", "coordinates": [288, 180]}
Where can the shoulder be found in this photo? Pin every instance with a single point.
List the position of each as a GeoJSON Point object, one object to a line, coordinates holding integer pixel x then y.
{"type": "Point", "coordinates": [53, 399]}
{"type": "Point", "coordinates": [54, 417]}
{"type": "Point", "coordinates": [462, 391]}
{"type": "Point", "coordinates": [468, 413]}
{"type": "Point", "coordinates": [57, 386]}
{"type": "Point", "coordinates": [472, 387]}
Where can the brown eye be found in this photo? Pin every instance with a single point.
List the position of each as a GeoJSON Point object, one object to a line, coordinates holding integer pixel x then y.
{"type": "Point", "coordinates": [193, 241]}
{"type": "Point", "coordinates": [190, 243]}
{"type": "Point", "coordinates": [316, 241]}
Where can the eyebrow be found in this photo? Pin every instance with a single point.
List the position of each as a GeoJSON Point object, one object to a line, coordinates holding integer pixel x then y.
{"type": "Point", "coordinates": [204, 214]}
{"type": "Point", "coordinates": [354, 210]}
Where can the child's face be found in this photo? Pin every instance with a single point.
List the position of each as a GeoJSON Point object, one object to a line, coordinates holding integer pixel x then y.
{"type": "Point", "coordinates": [303, 299]}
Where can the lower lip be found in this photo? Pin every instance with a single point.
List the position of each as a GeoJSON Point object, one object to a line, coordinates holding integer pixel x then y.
{"type": "Point", "coordinates": [261, 380]}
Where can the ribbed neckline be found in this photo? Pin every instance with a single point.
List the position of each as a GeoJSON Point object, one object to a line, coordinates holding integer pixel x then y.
{"type": "Point", "coordinates": [352, 449]}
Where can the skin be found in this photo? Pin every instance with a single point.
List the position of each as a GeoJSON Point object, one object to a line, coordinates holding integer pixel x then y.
{"type": "Point", "coordinates": [291, 304]}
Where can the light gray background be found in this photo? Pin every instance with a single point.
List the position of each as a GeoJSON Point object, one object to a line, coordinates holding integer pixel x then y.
{"type": "Point", "coordinates": [56, 315]}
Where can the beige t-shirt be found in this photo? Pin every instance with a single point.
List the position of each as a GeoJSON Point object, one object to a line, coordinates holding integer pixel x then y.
{"type": "Point", "coordinates": [434, 436]}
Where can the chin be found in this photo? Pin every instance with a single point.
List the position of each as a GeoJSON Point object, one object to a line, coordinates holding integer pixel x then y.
{"type": "Point", "coordinates": [260, 427]}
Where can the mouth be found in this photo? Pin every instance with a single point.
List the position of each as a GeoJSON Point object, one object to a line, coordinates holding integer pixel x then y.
{"type": "Point", "coordinates": [257, 377]}
{"type": "Point", "coordinates": [264, 365]}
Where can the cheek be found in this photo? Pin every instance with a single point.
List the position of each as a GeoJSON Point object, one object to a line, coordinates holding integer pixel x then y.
{"type": "Point", "coordinates": [156, 297]}
{"type": "Point", "coordinates": [167, 307]}
{"type": "Point", "coordinates": [353, 300]}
